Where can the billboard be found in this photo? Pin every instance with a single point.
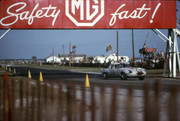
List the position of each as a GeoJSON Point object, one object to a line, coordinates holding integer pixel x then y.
{"type": "Point", "coordinates": [87, 14]}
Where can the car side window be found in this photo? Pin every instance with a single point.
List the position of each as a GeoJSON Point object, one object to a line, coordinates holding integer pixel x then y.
{"type": "Point", "coordinates": [120, 66]}
{"type": "Point", "coordinates": [116, 66]}
{"type": "Point", "coordinates": [112, 67]}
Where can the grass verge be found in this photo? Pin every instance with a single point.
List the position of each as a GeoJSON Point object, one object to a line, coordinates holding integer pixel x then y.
{"type": "Point", "coordinates": [72, 68]}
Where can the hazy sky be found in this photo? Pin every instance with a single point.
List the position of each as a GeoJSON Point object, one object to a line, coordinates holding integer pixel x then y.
{"type": "Point", "coordinates": [28, 43]}
{"type": "Point", "coordinates": [23, 44]}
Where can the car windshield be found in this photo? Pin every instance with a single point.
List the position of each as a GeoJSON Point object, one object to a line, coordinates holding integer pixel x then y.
{"type": "Point", "coordinates": [126, 65]}
{"type": "Point", "coordinates": [122, 65]}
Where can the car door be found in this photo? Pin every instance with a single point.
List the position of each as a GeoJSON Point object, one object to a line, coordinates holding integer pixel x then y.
{"type": "Point", "coordinates": [117, 69]}
{"type": "Point", "coordinates": [112, 70]}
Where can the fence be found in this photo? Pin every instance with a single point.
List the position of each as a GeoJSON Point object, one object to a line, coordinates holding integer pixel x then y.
{"type": "Point", "coordinates": [24, 100]}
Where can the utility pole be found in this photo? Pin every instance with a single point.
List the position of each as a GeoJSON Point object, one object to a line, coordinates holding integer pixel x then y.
{"type": "Point", "coordinates": [133, 46]}
{"type": "Point", "coordinates": [117, 47]}
{"type": "Point", "coordinates": [63, 51]}
{"type": "Point", "coordinates": [69, 53]}
{"type": "Point", "coordinates": [53, 54]}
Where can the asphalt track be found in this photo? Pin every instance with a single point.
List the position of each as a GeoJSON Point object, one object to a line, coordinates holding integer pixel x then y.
{"type": "Point", "coordinates": [52, 74]}
{"type": "Point", "coordinates": [94, 78]}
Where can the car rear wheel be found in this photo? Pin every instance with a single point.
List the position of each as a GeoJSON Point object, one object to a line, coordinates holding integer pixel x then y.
{"type": "Point", "coordinates": [105, 76]}
{"type": "Point", "coordinates": [141, 77]}
{"type": "Point", "coordinates": [123, 76]}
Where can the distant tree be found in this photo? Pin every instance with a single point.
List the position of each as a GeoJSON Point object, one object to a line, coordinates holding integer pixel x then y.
{"type": "Point", "coordinates": [34, 58]}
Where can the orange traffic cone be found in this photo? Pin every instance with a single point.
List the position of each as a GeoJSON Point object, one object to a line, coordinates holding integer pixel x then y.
{"type": "Point", "coordinates": [29, 74]}
{"type": "Point", "coordinates": [40, 77]}
{"type": "Point", "coordinates": [9, 69]}
{"type": "Point", "coordinates": [87, 85]}
{"type": "Point", "coordinates": [14, 71]}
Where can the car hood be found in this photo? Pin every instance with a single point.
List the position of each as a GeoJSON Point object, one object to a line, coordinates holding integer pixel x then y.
{"type": "Point", "coordinates": [134, 69]}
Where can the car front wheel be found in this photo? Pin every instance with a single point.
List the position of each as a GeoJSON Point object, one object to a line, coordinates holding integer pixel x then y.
{"type": "Point", "coordinates": [105, 76]}
{"type": "Point", "coordinates": [141, 77]}
{"type": "Point", "coordinates": [123, 76]}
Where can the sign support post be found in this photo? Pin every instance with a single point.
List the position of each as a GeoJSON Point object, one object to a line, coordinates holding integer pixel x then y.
{"type": "Point", "coordinates": [174, 58]}
{"type": "Point", "coordinates": [170, 53]}
{"type": "Point", "coordinates": [5, 33]}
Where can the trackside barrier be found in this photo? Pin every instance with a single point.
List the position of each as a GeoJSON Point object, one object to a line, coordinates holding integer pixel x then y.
{"type": "Point", "coordinates": [57, 101]}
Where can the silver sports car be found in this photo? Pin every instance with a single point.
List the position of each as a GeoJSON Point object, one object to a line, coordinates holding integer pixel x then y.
{"type": "Point", "coordinates": [123, 71]}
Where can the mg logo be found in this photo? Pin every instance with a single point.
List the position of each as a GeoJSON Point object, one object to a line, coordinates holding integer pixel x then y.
{"type": "Point", "coordinates": [84, 12]}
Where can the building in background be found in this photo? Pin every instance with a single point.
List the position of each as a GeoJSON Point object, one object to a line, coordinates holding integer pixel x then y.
{"type": "Point", "coordinates": [53, 59]}
{"type": "Point", "coordinates": [75, 58]}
